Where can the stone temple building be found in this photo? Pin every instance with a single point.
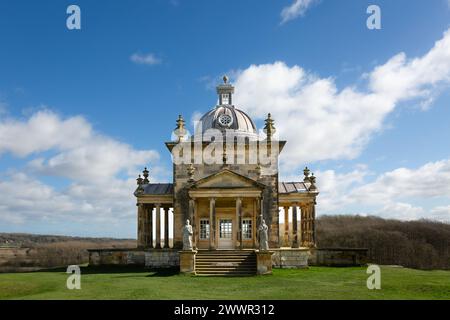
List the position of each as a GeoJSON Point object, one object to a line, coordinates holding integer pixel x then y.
{"type": "Point", "coordinates": [225, 182]}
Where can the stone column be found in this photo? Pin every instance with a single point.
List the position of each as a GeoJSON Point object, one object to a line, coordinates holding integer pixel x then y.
{"type": "Point", "coordinates": [158, 226]}
{"type": "Point", "coordinates": [193, 219]}
{"type": "Point", "coordinates": [304, 226]}
{"type": "Point", "coordinates": [212, 223]}
{"type": "Point", "coordinates": [295, 242]}
{"type": "Point", "coordinates": [166, 228]}
{"type": "Point", "coordinates": [239, 243]}
{"type": "Point", "coordinates": [148, 227]}
{"type": "Point", "coordinates": [313, 218]}
{"type": "Point", "coordinates": [256, 213]}
{"type": "Point", "coordinates": [286, 241]}
{"type": "Point", "coordinates": [140, 226]}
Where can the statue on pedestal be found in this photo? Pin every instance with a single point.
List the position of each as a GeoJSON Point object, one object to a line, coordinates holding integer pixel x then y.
{"type": "Point", "coordinates": [263, 237]}
{"type": "Point", "coordinates": [187, 236]}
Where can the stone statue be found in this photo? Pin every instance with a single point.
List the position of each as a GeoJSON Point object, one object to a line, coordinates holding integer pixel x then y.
{"type": "Point", "coordinates": [187, 236]}
{"type": "Point", "coordinates": [263, 237]}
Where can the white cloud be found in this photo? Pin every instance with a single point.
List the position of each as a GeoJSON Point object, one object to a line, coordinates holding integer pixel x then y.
{"type": "Point", "coordinates": [322, 122]}
{"type": "Point", "coordinates": [44, 130]}
{"type": "Point", "coordinates": [390, 194]}
{"type": "Point", "coordinates": [401, 211]}
{"type": "Point", "coordinates": [26, 200]}
{"type": "Point", "coordinates": [147, 59]}
{"type": "Point", "coordinates": [296, 9]}
{"type": "Point", "coordinates": [441, 213]}
{"type": "Point", "coordinates": [101, 172]}
{"type": "Point", "coordinates": [428, 181]}
{"type": "Point", "coordinates": [81, 153]}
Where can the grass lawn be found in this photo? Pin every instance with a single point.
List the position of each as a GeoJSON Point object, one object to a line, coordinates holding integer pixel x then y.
{"type": "Point", "coordinates": [312, 283]}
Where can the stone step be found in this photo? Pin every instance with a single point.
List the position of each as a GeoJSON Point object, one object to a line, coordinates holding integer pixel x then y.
{"type": "Point", "coordinates": [225, 263]}
{"type": "Point", "coordinates": [226, 258]}
{"type": "Point", "coordinates": [228, 274]}
{"type": "Point", "coordinates": [216, 263]}
{"type": "Point", "coordinates": [218, 252]}
{"type": "Point", "coordinates": [222, 257]}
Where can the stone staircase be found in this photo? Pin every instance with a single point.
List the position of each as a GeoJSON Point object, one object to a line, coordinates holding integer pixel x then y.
{"type": "Point", "coordinates": [225, 263]}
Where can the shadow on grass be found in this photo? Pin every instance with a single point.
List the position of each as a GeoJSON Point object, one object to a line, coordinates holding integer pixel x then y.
{"type": "Point", "coordinates": [163, 272]}
{"type": "Point", "coordinates": [167, 272]}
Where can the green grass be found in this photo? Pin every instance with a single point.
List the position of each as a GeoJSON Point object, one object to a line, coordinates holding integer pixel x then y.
{"type": "Point", "coordinates": [312, 283]}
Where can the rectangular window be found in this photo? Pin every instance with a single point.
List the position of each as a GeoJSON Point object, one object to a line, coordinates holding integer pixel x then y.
{"type": "Point", "coordinates": [247, 229]}
{"type": "Point", "coordinates": [204, 229]}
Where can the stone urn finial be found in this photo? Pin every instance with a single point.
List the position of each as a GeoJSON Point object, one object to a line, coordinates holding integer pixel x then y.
{"type": "Point", "coordinates": [140, 181]}
{"type": "Point", "coordinates": [258, 170]}
{"type": "Point", "coordinates": [145, 175]}
{"type": "Point", "coordinates": [191, 171]}
{"type": "Point", "coordinates": [180, 130]}
{"type": "Point", "coordinates": [269, 128]}
{"type": "Point", "coordinates": [306, 172]}
{"type": "Point", "coordinates": [312, 179]}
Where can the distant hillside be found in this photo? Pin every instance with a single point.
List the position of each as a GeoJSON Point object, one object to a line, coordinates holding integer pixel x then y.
{"type": "Point", "coordinates": [34, 240]}
{"type": "Point", "coordinates": [416, 244]}
{"type": "Point", "coordinates": [20, 252]}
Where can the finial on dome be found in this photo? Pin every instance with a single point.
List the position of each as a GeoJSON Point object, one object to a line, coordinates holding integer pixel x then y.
{"type": "Point", "coordinates": [225, 92]}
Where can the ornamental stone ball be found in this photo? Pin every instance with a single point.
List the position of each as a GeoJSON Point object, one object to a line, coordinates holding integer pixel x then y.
{"type": "Point", "coordinates": [187, 236]}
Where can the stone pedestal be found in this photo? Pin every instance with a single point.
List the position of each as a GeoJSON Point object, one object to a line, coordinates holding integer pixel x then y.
{"type": "Point", "coordinates": [187, 261]}
{"type": "Point", "coordinates": [264, 262]}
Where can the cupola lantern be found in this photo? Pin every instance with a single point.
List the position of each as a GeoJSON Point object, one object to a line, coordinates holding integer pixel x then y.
{"type": "Point", "coordinates": [225, 92]}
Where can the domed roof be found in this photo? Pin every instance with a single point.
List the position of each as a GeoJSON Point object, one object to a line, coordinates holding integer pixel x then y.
{"type": "Point", "coordinates": [226, 116]}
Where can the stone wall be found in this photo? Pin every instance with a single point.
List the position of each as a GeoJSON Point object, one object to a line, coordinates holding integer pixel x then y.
{"type": "Point", "coordinates": [122, 257]}
{"type": "Point", "coordinates": [162, 259]}
{"type": "Point", "coordinates": [14, 256]}
{"type": "Point", "coordinates": [338, 257]}
{"type": "Point", "coordinates": [290, 258]}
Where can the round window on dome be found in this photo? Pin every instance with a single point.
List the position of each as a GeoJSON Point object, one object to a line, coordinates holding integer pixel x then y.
{"type": "Point", "coordinates": [225, 120]}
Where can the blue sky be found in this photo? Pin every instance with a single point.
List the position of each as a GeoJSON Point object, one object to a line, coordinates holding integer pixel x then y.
{"type": "Point", "coordinates": [112, 113]}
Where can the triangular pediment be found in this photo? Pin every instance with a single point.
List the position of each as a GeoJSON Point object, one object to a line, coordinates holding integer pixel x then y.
{"type": "Point", "coordinates": [227, 179]}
